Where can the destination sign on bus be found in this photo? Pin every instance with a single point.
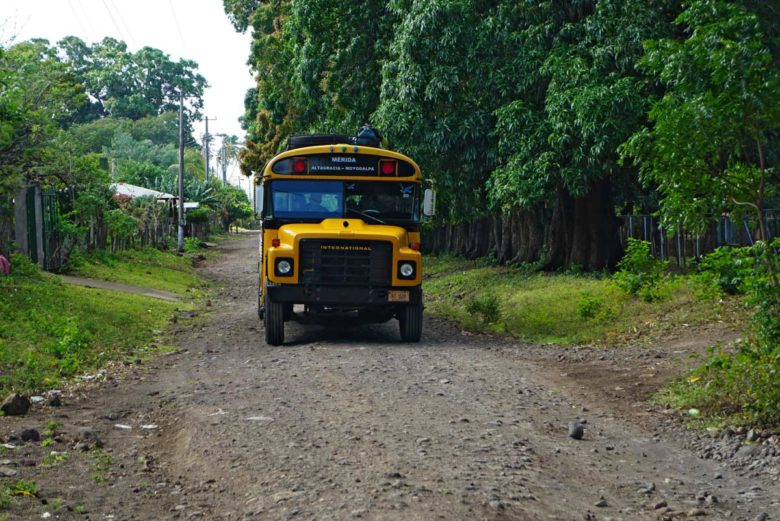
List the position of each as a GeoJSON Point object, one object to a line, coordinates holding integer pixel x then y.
{"type": "Point", "coordinates": [350, 165]}
{"type": "Point", "coordinates": [343, 164]}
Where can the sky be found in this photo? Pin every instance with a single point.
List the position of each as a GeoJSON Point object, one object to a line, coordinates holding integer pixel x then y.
{"type": "Point", "coordinates": [197, 30]}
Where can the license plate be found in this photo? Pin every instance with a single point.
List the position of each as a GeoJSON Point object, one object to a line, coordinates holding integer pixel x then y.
{"type": "Point", "coordinates": [397, 296]}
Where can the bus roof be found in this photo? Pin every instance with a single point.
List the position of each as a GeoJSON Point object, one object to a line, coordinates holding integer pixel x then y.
{"type": "Point", "coordinates": [342, 161]}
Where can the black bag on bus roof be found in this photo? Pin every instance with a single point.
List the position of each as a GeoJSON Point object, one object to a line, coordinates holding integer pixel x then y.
{"type": "Point", "coordinates": [368, 136]}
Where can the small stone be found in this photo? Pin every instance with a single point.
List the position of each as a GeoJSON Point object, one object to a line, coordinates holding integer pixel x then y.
{"type": "Point", "coordinates": [15, 405]}
{"type": "Point", "coordinates": [714, 432]}
{"type": "Point", "coordinates": [697, 512]}
{"type": "Point", "coordinates": [576, 430]}
{"type": "Point", "coordinates": [763, 516]}
{"type": "Point", "coordinates": [647, 489]}
{"type": "Point", "coordinates": [358, 513]}
{"type": "Point", "coordinates": [55, 400]}
{"type": "Point", "coordinates": [661, 504]}
{"type": "Point", "coordinates": [90, 438]}
{"type": "Point", "coordinates": [602, 503]}
{"type": "Point", "coordinates": [752, 436]}
{"type": "Point", "coordinates": [7, 472]}
{"type": "Point", "coordinates": [30, 435]}
{"type": "Point", "coordinates": [711, 500]}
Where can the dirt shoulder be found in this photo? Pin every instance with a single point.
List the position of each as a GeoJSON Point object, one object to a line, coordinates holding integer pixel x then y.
{"type": "Point", "coordinates": [351, 423]}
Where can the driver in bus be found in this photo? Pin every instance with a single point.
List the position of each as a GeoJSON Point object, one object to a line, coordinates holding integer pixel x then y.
{"type": "Point", "coordinates": [315, 203]}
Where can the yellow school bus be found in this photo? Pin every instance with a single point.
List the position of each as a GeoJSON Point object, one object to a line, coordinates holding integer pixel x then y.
{"type": "Point", "coordinates": [340, 236]}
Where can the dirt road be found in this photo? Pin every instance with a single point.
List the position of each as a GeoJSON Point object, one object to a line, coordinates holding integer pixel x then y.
{"type": "Point", "coordinates": [351, 423]}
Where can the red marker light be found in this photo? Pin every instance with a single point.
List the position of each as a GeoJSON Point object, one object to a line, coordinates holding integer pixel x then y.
{"type": "Point", "coordinates": [388, 167]}
{"type": "Point", "coordinates": [275, 243]}
{"type": "Point", "coordinates": [415, 246]}
{"type": "Point", "coordinates": [299, 166]}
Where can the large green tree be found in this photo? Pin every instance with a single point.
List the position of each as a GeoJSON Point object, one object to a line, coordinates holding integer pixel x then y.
{"type": "Point", "coordinates": [712, 146]}
{"type": "Point", "coordinates": [130, 85]}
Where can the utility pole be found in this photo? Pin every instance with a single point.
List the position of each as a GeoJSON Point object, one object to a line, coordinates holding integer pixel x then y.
{"type": "Point", "coordinates": [206, 142]}
{"type": "Point", "coordinates": [224, 164]}
{"type": "Point", "coordinates": [180, 244]}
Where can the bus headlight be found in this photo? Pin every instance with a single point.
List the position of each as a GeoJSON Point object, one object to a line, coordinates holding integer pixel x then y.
{"type": "Point", "coordinates": [284, 267]}
{"type": "Point", "coordinates": [406, 270]}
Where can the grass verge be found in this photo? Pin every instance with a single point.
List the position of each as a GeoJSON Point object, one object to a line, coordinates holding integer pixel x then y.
{"type": "Point", "coordinates": [51, 331]}
{"type": "Point", "coordinates": [565, 308]}
{"type": "Point", "coordinates": [147, 268]}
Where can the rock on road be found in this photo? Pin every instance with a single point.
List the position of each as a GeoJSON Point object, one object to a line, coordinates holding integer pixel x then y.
{"type": "Point", "coordinates": [353, 424]}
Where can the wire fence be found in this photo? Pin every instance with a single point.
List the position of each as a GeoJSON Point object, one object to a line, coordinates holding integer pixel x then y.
{"type": "Point", "coordinates": [681, 244]}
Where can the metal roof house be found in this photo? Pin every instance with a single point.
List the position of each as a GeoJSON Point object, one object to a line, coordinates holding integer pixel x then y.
{"type": "Point", "coordinates": [133, 191]}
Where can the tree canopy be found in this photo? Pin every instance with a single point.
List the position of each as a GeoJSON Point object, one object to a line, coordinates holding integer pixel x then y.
{"type": "Point", "coordinates": [552, 108]}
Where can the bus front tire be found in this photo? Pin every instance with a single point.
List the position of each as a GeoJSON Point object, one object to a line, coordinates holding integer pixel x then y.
{"type": "Point", "coordinates": [410, 320]}
{"type": "Point", "coordinates": [274, 322]}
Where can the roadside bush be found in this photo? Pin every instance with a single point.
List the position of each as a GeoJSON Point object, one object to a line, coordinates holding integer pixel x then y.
{"type": "Point", "coordinates": [639, 273]}
{"type": "Point", "coordinates": [192, 244]}
{"type": "Point", "coordinates": [22, 266]}
{"type": "Point", "coordinates": [746, 381]}
{"type": "Point", "coordinates": [727, 269]}
{"type": "Point", "coordinates": [592, 307]}
{"type": "Point", "coordinates": [486, 307]}
{"type": "Point", "coordinates": [198, 215]}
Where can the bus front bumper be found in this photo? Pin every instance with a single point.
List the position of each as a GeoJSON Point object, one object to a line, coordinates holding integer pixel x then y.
{"type": "Point", "coordinates": [344, 296]}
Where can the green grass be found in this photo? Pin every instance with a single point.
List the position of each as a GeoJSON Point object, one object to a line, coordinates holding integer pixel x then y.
{"type": "Point", "coordinates": [51, 331]}
{"type": "Point", "coordinates": [562, 308]}
{"type": "Point", "coordinates": [147, 268]}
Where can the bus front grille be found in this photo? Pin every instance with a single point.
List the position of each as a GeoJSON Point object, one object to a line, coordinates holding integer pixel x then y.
{"type": "Point", "coordinates": [346, 263]}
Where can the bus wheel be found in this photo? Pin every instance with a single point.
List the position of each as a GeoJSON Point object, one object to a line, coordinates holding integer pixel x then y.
{"type": "Point", "coordinates": [274, 322]}
{"type": "Point", "coordinates": [410, 319]}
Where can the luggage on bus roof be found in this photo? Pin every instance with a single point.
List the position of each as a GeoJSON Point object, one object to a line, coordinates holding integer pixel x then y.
{"type": "Point", "coordinates": [311, 140]}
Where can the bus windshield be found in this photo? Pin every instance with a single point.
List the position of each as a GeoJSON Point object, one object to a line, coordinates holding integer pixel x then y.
{"type": "Point", "coordinates": [374, 202]}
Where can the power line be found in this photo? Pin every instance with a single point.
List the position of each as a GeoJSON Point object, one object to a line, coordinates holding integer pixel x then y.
{"type": "Point", "coordinates": [78, 20]}
{"type": "Point", "coordinates": [178, 28]}
{"type": "Point", "coordinates": [122, 21]}
{"type": "Point", "coordinates": [86, 17]}
{"type": "Point", "coordinates": [113, 21]}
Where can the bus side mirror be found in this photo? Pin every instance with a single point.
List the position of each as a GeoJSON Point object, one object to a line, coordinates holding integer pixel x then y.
{"type": "Point", "coordinates": [429, 203]}
{"type": "Point", "coordinates": [259, 200]}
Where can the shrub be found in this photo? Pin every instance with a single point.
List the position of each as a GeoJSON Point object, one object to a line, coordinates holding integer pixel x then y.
{"type": "Point", "coordinates": [727, 269]}
{"type": "Point", "coordinates": [22, 266]}
{"type": "Point", "coordinates": [746, 381]}
{"type": "Point", "coordinates": [198, 215]}
{"type": "Point", "coordinates": [192, 244]}
{"type": "Point", "coordinates": [592, 307]}
{"type": "Point", "coordinates": [639, 273]}
{"type": "Point", "coordinates": [486, 307]}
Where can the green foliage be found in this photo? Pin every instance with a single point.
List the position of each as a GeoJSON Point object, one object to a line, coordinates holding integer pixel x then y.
{"type": "Point", "coordinates": [563, 308]}
{"type": "Point", "coordinates": [593, 306]}
{"type": "Point", "coordinates": [639, 273]}
{"type": "Point", "coordinates": [130, 85]}
{"type": "Point", "coordinates": [147, 268]}
{"type": "Point", "coordinates": [486, 307]}
{"type": "Point", "coordinates": [728, 269]}
{"type": "Point", "coordinates": [54, 458]}
{"type": "Point", "coordinates": [22, 266]}
{"type": "Point", "coordinates": [23, 488]}
{"type": "Point", "coordinates": [743, 382]}
{"type": "Point", "coordinates": [191, 244]}
{"type": "Point", "coordinates": [712, 146]}
{"type": "Point", "coordinates": [52, 330]}
{"type": "Point", "coordinates": [102, 462]}
{"type": "Point", "coordinates": [198, 215]}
